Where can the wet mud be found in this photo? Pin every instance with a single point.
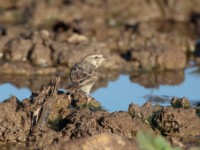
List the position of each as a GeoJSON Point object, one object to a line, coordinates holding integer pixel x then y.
{"type": "Point", "coordinates": [52, 119]}
{"type": "Point", "coordinates": [152, 41]}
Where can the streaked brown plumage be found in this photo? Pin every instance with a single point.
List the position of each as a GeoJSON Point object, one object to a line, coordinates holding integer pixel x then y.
{"type": "Point", "coordinates": [84, 73]}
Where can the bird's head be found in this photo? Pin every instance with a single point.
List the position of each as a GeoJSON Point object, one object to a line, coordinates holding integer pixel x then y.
{"type": "Point", "coordinates": [96, 59]}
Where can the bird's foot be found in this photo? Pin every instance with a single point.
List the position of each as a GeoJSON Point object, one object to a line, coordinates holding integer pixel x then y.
{"type": "Point", "coordinates": [89, 98]}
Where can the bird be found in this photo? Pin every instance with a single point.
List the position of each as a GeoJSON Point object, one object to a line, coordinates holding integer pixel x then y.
{"type": "Point", "coordinates": [85, 73]}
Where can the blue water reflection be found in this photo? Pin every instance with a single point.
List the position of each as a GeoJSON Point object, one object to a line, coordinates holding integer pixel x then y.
{"type": "Point", "coordinates": [7, 90]}
{"type": "Point", "coordinates": [120, 93]}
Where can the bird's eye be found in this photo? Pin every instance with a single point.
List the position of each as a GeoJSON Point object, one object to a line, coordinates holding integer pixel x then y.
{"type": "Point", "coordinates": [96, 57]}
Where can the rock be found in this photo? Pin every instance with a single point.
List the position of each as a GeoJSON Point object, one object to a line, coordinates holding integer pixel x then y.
{"type": "Point", "coordinates": [3, 42]}
{"type": "Point", "coordinates": [14, 122]}
{"type": "Point", "coordinates": [177, 122]}
{"type": "Point", "coordinates": [123, 124]}
{"type": "Point", "coordinates": [33, 46]}
{"type": "Point", "coordinates": [180, 102]}
{"type": "Point", "coordinates": [58, 50]}
{"type": "Point", "coordinates": [149, 46]}
{"type": "Point", "coordinates": [79, 99]}
{"type": "Point", "coordinates": [171, 59]}
{"type": "Point", "coordinates": [84, 123]}
{"type": "Point", "coordinates": [158, 56]}
{"type": "Point", "coordinates": [47, 109]}
{"type": "Point", "coordinates": [173, 34]}
{"type": "Point", "coordinates": [92, 123]}
{"type": "Point", "coordinates": [10, 4]}
{"type": "Point", "coordinates": [41, 56]}
{"type": "Point", "coordinates": [73, 53]}
{"type": "Point", "coordinates": [77, 38]}
{"type": "Point", "coordinates": [52, 13]}
{"type": "Point", "coordinates": [17, 49]}
{"type": "Point", "coordinates": [78, 51]}
{"type": "Point", "coordinates": [144, 113]}
{"type": "Point", "coordinates": [99, 141]}
{"type": "Point", "coordinates": [42, 139]}
{"type": "Point", "coordinates": [46, 121]}
{"type": "Point", "coordinates": [180, 13]}
{"type": "Point", "coordinates": [41, 37]}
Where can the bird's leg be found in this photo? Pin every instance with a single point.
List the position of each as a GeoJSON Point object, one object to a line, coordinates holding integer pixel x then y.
{"type": "Point", "coordinates": [69, 96]}
{"type": "Point", "coordinates": [89, 98]}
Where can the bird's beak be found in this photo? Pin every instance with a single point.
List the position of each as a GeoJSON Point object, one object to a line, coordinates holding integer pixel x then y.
{"type": "Point", "coordinates": [104, 59]}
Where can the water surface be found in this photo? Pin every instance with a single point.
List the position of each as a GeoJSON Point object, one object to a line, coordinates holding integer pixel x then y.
{"type": "Point", "coordinates": [121, 92]}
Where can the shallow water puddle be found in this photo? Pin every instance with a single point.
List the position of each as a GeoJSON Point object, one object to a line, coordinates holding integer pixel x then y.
{"type": "Point", "coordinates": [120, 93]}
{"type": "Point", "coordinates": [7, 90]}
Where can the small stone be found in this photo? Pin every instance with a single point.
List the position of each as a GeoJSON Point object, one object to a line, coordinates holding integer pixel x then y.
{"type": "Point", "coordinates": [180, 102]}
{"type": "Point", "coordinates": [41, 55]}
{"type": "Point", "coordinates": [76, 38]}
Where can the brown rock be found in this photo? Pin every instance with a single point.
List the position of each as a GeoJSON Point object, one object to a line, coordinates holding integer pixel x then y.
{"type": "Point", "coordinates": [75, 38]}
{"type": "Point", "coordinates": [180, 102]}
{"type": "Point", "coordinates": [83, 123]}
{"type": "Point", "coordinates": [73, 53]}
{"type": "Point", "coordinates": [128, 11]}
{"type": "Point", "coordinates": [41, 37]}
{"type": "Point", "coordinates": [14, 122]}
{"type": "Point", "coordinates": [78, 51]}
{"type": "Point", "coordinates": [99, 141]}
{"type": "Point", "coordinates": [177, 122]}
{"type": "Point", "coordinates": [41, 55]}
{"type": "Point", "coordinates": [123, 124]}
{"type": "Point", "coordinates": [17, 49]}
{"type": "Point", "coordinates": [172, 59]}
{"type": "Point", "coordinates": [10, 4]}
{"type": "Point", "coordinates": [58, 50]}
{"type": "Point", "coordinates": [173, 35]}
{"type": "Point", "coordinates": [42, 139]}
{"type": "Point", "coordinates": [159, 56]}
{"type": "Point", "coordinates": [144, 113]}
{"type": "Point", "coordinates": [4, 40]}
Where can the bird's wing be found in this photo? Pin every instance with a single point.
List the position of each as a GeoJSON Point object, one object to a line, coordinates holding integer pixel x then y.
{"type": "Point", "coordinates": [83, 73]}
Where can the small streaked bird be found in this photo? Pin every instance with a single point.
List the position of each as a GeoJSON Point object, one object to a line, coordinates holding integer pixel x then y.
{"type": "Point", "coordinates": [84, 73]}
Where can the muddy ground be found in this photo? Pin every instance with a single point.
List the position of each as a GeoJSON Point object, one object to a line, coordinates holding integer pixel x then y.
{"type": "Point", "coordinates": [52, 119]}
{"type": "Point", "coordinates": [152, 41]}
